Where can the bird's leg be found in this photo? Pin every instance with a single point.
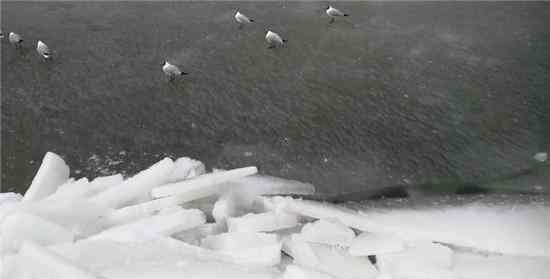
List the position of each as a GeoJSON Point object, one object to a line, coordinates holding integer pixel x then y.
{"type": "Point", "coordinates": [240, 26]}
{"type": "Point", "coordinates": [331, 20]}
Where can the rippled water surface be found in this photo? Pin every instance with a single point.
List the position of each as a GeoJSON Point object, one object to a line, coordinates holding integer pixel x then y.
{"type": "Point", "coordinates": [396, 93]}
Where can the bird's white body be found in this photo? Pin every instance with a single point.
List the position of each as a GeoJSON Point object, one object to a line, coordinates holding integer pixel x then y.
{"type": "Point", "coordinates": [273, 39]}
{"type": "Point", "coordinates": [15, 39]}
{"type": "Point", "coordinates": [43, 50]}
{"type": "Point", "coordinates": [171, 71]}
{"type": "Point", "coordinates": [333, 12]}
{"type": "Point", "coordinates": [242, 19]}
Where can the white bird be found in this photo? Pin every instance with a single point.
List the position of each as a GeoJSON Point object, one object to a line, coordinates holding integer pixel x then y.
{"type": "Point", "coordinates": [15, 39]}
{"type": "Point", "coordinates": [273, 39]}
{"type": "Point", "coordinates": [43, 50]}
{"type": "Point", "coordinates": [242, 19]}
{"type": "Point", "coordinates": [333, 12]}
{"type": "Point", "coordinates": [171, 71]}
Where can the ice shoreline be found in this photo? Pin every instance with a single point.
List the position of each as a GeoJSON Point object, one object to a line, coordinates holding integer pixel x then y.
{"type": "Point", "coordinates": [234, 220]}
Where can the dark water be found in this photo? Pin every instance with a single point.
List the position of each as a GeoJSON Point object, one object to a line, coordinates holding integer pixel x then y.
{"type": "Point", "coordinates": [398, 92]}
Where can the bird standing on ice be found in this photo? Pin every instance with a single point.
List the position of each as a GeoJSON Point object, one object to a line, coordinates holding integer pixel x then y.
{"type": "Point", "coordinates": [15, 39]}
{"type": "Point", "coordinates": [43, 50]}
{"type": "Point", "coordinates": [242, 19]}
{"type": "Point", "coordinates": [171, 71]}
{"type": "Point", "coordinates": [273, 39]}
{"type": "Point", "coordinates": [333, 13]}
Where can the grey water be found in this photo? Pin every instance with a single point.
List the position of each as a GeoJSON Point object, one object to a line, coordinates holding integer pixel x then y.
{"type": "Point", "coordinates": [419, 93]}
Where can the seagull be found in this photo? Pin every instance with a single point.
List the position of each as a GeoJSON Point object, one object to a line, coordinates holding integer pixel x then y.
{"type": "Point", "coordinates": [171, 71]}
{"type": "Point", "coordinates": [15, 39]}
{"type": "Point", "coordinates": [333, 12]}
{"type": "Point", "coordinates": [273, 39]}
{"type": "Point", "coordinates": [242, 19]}
{"type": "Point", "coordinates": [43, 50]}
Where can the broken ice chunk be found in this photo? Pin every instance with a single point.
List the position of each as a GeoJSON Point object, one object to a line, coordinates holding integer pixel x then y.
{"type": "Point", "coordinates": [195, 235]}
{"type": "Point", "coordinates": [328, 231]}
{"type": "Point", "coordinates": [75, 189]}
{"type": "Point", "coordinates": [75, 213]}
{"type": "Point", "coordinates": [262, 222]}
{"type": "Point", "coordinates": [367, 244]}
{"type": "Point", "coordinates": [332, 260]}
{"type": "Point", "coordinates": [203, 185]}
{"type": "Point", "coordinates": [268, 185]}
{"type": "Point", "coordinates": [103, 183]}
{"type": "Point", "coordinates": [43, 263]}
{"type": "Point", "coordinates": [136, 187]}
{"type": "Point", "coordinates": [10, 197]}
{"type": "Point", "coordinates": [21, 226]}
{"type": "Point", "coordinates": [163, 224]}
{"type": "Point", "coordinates": [319, 210]}
{"type": "Point", "coordinates": [186, 168]}
{"type": "Point", "coordinates": [258, 248]}
{"type": "Point", "coordinates": [53, 172]}
{"type": "Point", "coordinates": [224, 208]}
{"type": "Point", "coordinates": [298, 272]}
{"type": "Point", "coordinates": [541, 157]}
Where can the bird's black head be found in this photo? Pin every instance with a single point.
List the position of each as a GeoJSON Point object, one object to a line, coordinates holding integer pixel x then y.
{"type": "Point", "coordinates": [327, 7]}
{"type": "Point", "coordinates": [162, 64]}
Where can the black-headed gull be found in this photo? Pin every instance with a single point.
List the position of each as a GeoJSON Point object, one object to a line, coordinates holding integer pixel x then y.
{"type": "Point", "coordinates": [333, 13]}
{"type": "Point", "coordinates": [43, 50]}
{"type": "Point", "coordinates": [171, 71]}
{"type": "Point", "coordinates": [273, 39]}
{"type": "Point", "coordinates": [242, 19]}
{"type": "Point", "coordinates": [15, 39]}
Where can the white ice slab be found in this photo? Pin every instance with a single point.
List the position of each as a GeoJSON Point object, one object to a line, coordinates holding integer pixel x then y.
{"type": "Point", "coordinates": [262, 248]}
{"type": "Point", "coordinates": [203, 185]}
{"type": "Point", "coordinates": [10, 197]}
{"type": "Point", "coordinates": [186, 168]}
{"type": "Point", "coordinates": [43, 263]}
{"type": "Point", "coordinates": [519, 230]}
{"type": "Point", "coordinates": [269, 185]}
{"type": "Point", "coordinates": [75, 213]}
{"type": "Point", "coordinates": [225, 207]}
{"type": "Point", "coordinates": [328, 231]}
{"type": "Point", "coordinates": [75, 189]}
{"type": "Point", "coordinates": [20, 227]}
{"type": "Point", "coordinates": [320, 210]}
{"type": "Point", "coordinates": [474, 266]}
{"type": "Point", "coordinates": [262, 222]}
{"type": "Point", "coordinates": [298, 272]}
{"type": "Point", "coordinates": [136, 187]}
{"type": "Point", "coordinates": [367, 244]}
{"type": "Point", "coordinates": [162, 224]}
{"type": "Point", "coordinates": [516, 230]}
{"type": "Point", "coordinates": [189, 269]}
{"type": "Point", "coordinates": [195, 235]}
{"type": "Point", "coordinates": [102, 183]}
{"type": "Point", "coordinates": [138, 211]}
{"type": "Point", "coordinates": [53, 172]}
{"type": "Point", "coordinates": [332, 260]}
